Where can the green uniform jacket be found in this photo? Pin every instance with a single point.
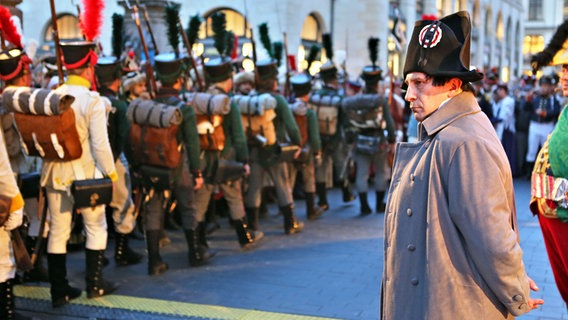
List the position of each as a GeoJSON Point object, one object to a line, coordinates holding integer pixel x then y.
{"type": "Point", "coordinates": [558, 154]}
{"type": "Point", "coordinates": [284, 123]}
{"type": "Point", "coordinates": [119, 126]}
{"type": "Point", "coordinates": [188, 128]}
{"type": "Point", "coordinates": [332, 142]}
{"type": "Point", "coordinates": [235, 140]}
{"type": "Point", "coordinates": [313, 131]}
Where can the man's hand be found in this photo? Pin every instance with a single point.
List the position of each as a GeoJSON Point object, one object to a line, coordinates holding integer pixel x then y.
{"type": "Point", "coordinates": [246, 167]}
{"type": "Point", "coordinates": [297, 154]}
{"type": "Point", "coordinates": [198, 183]}
{"type": "Point", "coordinates": [14, 220]}
{"type": "Point", "coordinates": [533, 303]}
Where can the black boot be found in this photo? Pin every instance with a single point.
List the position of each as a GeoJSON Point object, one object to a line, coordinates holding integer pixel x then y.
{"type": "Point", "coordinates": [38, 273]}
{"type": "Point", "coordinates": [379, 204]}
{"type": "Point", "coordinates": [7, 300]}
{"type": "Point", "coordinates": [365, 209]}
{"type": "Point", "coordinates": [155, 264]}
{"type": "Point", "coordinates": [347, 195]}
{"type": "Point", "coordinates": [291, 224]}
{"type": "Point", "coordinates": [202, 234]}
{"type": "Point", "coordinates": [198, 255]}
{"type": "Point", "coordinates": [312, 211]}
{"type": "Point", "coordinates": [123, 254]}
{"type": "Point", "coordinates": [247, 238]}
{"type": "Point", "coordinates": [96, 285]}
{"type": "Point", "coordinates": [252, 218]}
{"type": "Point", "coordinates": [61, 292]}
{"type": "Point", "coordinates": [321, 190]}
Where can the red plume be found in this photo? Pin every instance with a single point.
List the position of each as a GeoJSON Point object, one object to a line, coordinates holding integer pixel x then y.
{"type": "Point", "coordinates": [429, 17]}
{"type": "Point", "coordinates": [92, 18]}
{"type": "Point", "coordinates": [9, 30]}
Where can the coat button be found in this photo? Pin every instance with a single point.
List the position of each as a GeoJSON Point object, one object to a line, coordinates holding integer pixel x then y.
{"type": "Point", "coordinates": [411, 247]}
{"type": "Point", "coordinates": [414, 281]}
{"type": "Point", "coordinates": [412, 177]}
{"type": "Point", "coordinates": [409, 212]}
{"type": "Point", "coordinates": [518, 298]}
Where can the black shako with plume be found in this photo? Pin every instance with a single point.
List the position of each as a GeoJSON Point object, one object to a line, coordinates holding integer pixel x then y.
{"type": "Point", "coordinates": [278, 50]}
{"type": "Point", "coordinates": [328, 46]}
{"type": "Point", "coordinates": [372, 74]}
{"type": "Point", "coordinates": [328, 71]}
{"type": "Point", "coordinates": [217, 70]}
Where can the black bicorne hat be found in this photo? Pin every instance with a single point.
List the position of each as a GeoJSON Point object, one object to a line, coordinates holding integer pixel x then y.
{"type": "Point", "coordinates": [267, 69]}
{"type": "Point", "coordinates": [301, 84]}
{"type": "Point", "coordinates": [108, 69]}
{"type": "Point", "coordinates": [218, 70]}
{"type": "Point", "coordinates": [77, 54]}
{"type": "Point", "coordinates": [169, 66]}
{"type": "Point", "coordinates": [441, 48]}
{"type": "Point", "coordinates": [12, 62]}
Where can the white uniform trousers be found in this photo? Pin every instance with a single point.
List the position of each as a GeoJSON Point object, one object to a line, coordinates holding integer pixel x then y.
{"type": "Point", "coordinates": [122, 204]}
{"type": "Point", "coordinates": [7, 262]}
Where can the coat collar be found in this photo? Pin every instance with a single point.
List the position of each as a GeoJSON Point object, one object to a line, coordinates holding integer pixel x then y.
{"type": "Point", "coordinates": [459, 106]}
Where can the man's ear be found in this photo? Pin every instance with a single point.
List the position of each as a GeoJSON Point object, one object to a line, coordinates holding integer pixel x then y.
{"type": "Point", "coordinates": [454, 86]}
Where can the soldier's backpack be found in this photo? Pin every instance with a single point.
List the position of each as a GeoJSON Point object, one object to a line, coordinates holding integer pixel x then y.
{"type": "Point", "coordinates": [327, 110]}
{"type": "Point", "coordinates": [209, 112]}
{"type": "Point", "coordinates": [45, 122]}
{"type": "Point", "coordinates": [153, 130]}
{"type": "Point", "coordinates": [299, 110]}
{"type": "Point", "coordinates": [257, 114]}
{"type": "Point", "coordinates": [365, 111]}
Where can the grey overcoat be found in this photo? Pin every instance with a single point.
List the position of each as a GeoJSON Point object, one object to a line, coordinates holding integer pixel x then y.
{"type": "Point", "coordinates": [451, 248]}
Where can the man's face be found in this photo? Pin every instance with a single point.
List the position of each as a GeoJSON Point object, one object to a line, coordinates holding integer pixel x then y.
{"type": "Point", "coordinates": [138, 89]}
{"type": "Point", "coordinates": [564, 80]}
{"type": "Point", "coordinates": [245, 87]}
{"type": "Point", "coordinates": [424, 98]}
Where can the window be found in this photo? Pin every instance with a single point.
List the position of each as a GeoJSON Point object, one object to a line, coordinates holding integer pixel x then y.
{"type": "Point", "coordinates": [565, 9]}
{"type": "Point", "coordinates": [533, 44]}
{"type": "Point", "coordinates": [535, 10]}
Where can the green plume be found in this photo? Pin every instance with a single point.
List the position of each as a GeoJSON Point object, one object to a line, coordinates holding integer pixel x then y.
{"type": "Point", "coordinates": [230, 43]}
{"type": "Point", "coordinates": [193, 29]}
{"type": "Point", "coordinates": [219, 27]}
{"type": "Point", "coordinates": [373, 45]}
{"type": "Point", "coordinates": [117, 35]}
{"type": "Point", "coordinates": [312, 55]}
{"type": "Point", "coordinates": [265, 38]}
{"type": "Point", "coordinates": [278, 48]}
{"type": "Point", "coordinates": [172, 19]}
{"type": "Point", "coordinates": [327, 45]}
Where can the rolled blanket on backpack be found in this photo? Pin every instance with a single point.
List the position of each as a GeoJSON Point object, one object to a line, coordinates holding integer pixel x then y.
{"type": "Point", "coordinates": [255, 105]}
{"type": "Point", "coordinates": [148, 112]}
{"type": "Point", "coordinates": [35, 101]}
{"type": "Point", "coordinates": [209, 104]}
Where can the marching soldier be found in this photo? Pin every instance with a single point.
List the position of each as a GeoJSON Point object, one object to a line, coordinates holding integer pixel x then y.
{"type": "Point", "coordinates": [218, 73]}
{"type": "Point", "coordinates": [331, 138]}
{"type": "Point", "coordinates": [370, 114]}
{"type": "Point", "coordinates": [15, 72]}
{"type": "Point", "coordinates": [14, 64]}
{"type": "Point", "coordinates": [264, 158]}
{"type": "Point", "coordinates": [108, 71]}
{"type": "Point", "coordinates": [57, 177]}
{"type": "Point", "coordinates": [307, 122]}
{"type": "Point", "coordinates": [169, 70]}
{"type": "Point", "coordinates": [134, 86]}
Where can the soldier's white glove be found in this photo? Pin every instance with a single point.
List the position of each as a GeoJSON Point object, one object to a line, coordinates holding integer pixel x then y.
{"type": "Point", "coordinates": [14, 220]}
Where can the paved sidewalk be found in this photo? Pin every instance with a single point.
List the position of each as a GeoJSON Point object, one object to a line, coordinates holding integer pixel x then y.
{"type": "Point", "coordinates": [331, 270]}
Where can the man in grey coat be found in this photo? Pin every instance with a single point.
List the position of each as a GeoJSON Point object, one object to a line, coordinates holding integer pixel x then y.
{"type": "Point", "coordinates": [451, 243]}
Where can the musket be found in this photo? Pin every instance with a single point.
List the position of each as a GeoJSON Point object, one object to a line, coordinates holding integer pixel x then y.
{"type": "Point", "coordinates": [149, 69]}
{"type": "Point", "coordinates": [344, 64]}
{"type": "Point", "coordinates": [56, 41]}
{"type": "Point", "coordinates": [42, 212]}
{"type": "Point", "coordinates": [256, 75]}
{"type": "Point", "coordinates": [147, 20]}
{"type": "Point", "coordinates": [287, 81]}
{"type": "Point", "coordinates": [190, 54]}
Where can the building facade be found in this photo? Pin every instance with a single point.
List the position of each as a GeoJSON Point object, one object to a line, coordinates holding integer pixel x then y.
{"type": "Point", "coordinates": [497, 37]}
